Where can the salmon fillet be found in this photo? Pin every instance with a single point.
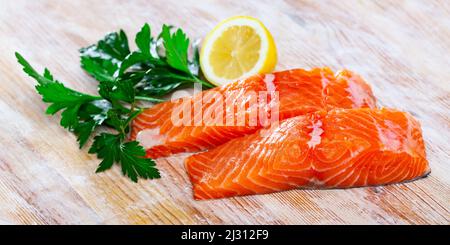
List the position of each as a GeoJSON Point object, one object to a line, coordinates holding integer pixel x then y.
{"type": "Point", "coordinates": [335, 149]}
{"type": "Point", "coordinates": [298, 92]}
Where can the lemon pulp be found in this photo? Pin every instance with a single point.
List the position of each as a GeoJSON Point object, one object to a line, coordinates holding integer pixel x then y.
{"type": "Point", "coordinates": [235, 52]}
{"type": "Point", "coordinates": [237, 47]}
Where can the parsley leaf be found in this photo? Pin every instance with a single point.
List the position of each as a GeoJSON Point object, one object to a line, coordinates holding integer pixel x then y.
{"type": "Point", "coordinates": [81, 113]}
{"type": "Point", "coordinates": [144, 39]}
{"type": "Point", "coordinates": [113, 46]}
{"type": "Point", "coordinates": [83, 130]}
{"type": "Point", "coordinates": [176, 46]}
{"type": "Point", "coordinates": [100, 69]}
{"type": "Point", "coordinates": [119, 90]}
{"type": "Point", "coordinates": [103, 59]}
{"type": "Point", "coordinates": [131, 156]}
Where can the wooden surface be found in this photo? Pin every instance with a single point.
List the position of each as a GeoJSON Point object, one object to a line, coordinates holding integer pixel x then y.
{"type": "Point", "coordinates": [402, 48]}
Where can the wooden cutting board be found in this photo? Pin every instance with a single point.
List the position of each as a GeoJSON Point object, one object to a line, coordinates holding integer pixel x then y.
{"type": "Point", "coordinates": [402, 48]}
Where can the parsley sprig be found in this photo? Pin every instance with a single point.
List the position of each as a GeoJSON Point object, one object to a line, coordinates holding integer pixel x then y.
{"type": "Point", "coordinates": [159, 66]}
{"type": "Point", "coordinates": [83, 113]}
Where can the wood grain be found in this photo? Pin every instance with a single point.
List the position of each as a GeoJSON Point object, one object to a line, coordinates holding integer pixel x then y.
{"type": "Point", "coordinates": [401, 47]}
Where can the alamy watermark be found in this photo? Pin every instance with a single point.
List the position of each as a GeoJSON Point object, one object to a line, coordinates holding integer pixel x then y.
{"type": "Point", "coordinates": [231, 108]}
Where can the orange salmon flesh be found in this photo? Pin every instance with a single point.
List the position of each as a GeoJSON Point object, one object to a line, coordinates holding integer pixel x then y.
{"type": "Point", "coordinates": [299, 92]}
{"type": "Point", "coordinates": [340, 148]}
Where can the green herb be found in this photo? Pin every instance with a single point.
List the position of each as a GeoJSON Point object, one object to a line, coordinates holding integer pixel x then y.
{"type": "Point", "coordinates": [83, 113]}
{"type": "Point", "coordinates": [80, 113]}
{"type": "Point", "coordinates": [103, 59]}
{"type": "Point", "coordinates": [111, 148]}
{"type": "Point", "coordinates": [159, 66]}
{"type": "Point", "coordinates": [176, 46]}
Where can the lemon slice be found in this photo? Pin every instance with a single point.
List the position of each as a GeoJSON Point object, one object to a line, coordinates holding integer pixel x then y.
{"type": "Point", "coordinates": [237, 47]}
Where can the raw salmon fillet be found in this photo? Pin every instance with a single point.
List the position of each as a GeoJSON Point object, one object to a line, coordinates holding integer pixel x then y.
{"type": "Point", "coordinates": [337, 149]}
{"type": "Point", "coordinates": [299, 92]}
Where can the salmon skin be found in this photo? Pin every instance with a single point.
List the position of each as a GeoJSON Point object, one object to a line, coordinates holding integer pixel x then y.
{"type": "Point", "coordinates": [341, 148]}
{"type": "Point", "coordinates": [298, 92]}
